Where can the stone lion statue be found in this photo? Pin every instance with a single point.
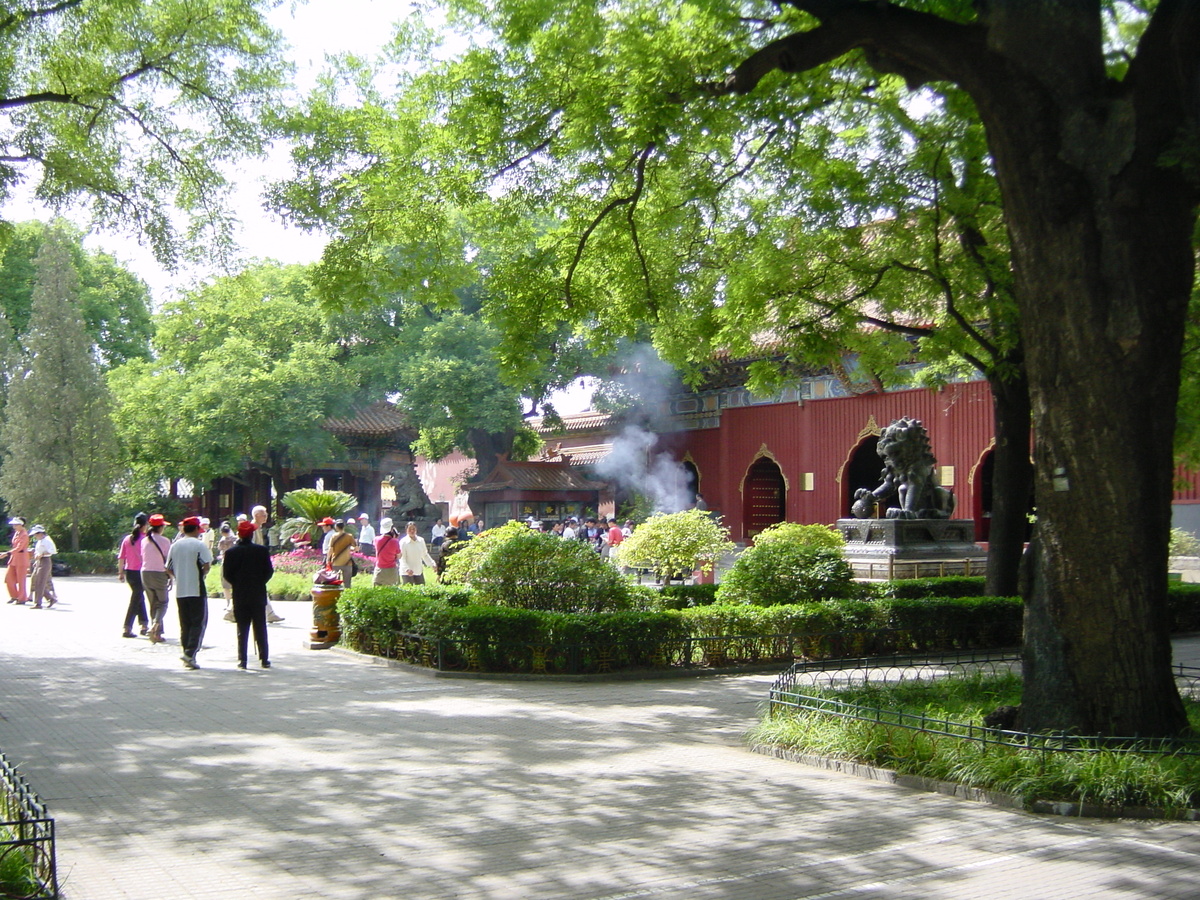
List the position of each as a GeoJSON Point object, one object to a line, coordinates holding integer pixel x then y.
{"type": "Point", "coordinates": [907, 477]}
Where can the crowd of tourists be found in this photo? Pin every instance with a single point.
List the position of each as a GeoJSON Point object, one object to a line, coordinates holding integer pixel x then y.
{"type": "Point", "coordinates": [154, 566]}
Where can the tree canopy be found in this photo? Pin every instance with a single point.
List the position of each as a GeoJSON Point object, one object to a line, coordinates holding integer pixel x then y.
{"type": "Point", "coordinates": [246, 369]}
{"type": "Point", "coordinates": [128, 109]}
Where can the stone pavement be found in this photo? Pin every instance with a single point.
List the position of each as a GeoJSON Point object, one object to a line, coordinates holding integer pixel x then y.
{"type": "Point", "coordinates": [330, 777]}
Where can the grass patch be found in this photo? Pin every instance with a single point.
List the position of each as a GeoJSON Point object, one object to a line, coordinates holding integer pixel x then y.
{"type": "Point", "coordinates": [17, 875]}
{"type": "Point", "coordinates": [1170, 782]}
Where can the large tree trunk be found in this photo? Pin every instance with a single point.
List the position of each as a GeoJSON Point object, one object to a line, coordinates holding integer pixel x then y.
{"type": "Point", "coordinates": [1012, 483]}
{"type": "Point", "coordinates": [1101, 235]}
{"type": "Point", "coordinates": [488, 447]}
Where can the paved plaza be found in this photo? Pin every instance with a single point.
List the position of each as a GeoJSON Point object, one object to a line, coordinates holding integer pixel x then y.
{"type": "Point", "coordinates": [329, 776]}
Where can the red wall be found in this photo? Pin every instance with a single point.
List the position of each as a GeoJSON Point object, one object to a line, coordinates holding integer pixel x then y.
{"type": "Point", "coordinates": [819, 436]}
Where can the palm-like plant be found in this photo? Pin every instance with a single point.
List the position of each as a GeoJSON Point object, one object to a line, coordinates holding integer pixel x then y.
{"type": "Point", "coordinates": [310, 507]}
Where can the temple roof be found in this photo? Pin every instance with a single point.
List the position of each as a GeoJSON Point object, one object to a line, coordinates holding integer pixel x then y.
{"type": "Point", "coordinates": [381, 419]}
{"type": "Point", "coordinates": [583, 455]}
{"type": "Point", "coordinates": [534, 476]}
{"type": "Point", "coordinates": [577, 422]}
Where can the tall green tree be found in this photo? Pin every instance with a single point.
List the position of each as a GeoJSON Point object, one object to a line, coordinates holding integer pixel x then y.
{"type": "Point", "coordinates": [246, 369]}
{"type": "Point", "coordinates": [114, 302]}
{"type": "Point", "coordinates": [129, 108]}
{"type": "Point", "coordinates": [58, 440]}
{"type": "Point", "coordinates": [642, 130]}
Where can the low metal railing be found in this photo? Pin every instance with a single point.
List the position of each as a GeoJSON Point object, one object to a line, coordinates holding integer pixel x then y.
{"type": "Point", "coordinates": [797, 690]}
{"type": "Point", "coordinates": [28, 861]}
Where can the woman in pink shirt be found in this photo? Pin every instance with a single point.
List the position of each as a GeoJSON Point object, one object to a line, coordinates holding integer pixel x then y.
{"type": "Point", "coordinates": [155, 577]}
{"type": "Point", "coordinates": [387, 546]}
{"type": "Point", "coordinates": [129, 571]}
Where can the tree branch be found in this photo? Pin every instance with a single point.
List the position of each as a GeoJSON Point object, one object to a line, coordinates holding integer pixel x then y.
{"type": "Point", "coordinates": [614, 204]}
{"type": "Point", "coordinates": [916, 45]}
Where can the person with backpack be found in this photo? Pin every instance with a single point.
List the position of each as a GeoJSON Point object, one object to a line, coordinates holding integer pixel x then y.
{"type": "Point", "coordinates": [155, 578]}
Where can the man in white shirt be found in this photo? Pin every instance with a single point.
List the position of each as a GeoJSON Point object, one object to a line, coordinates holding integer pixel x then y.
{"type": "Point", "coordinates": [41, 583]}
{"type": "Point", "coordinates": [413, 557]}
{"type": "Point", "coordinates": [188, 561]}
{"type": "Point", "coordinates": [260, 537]}
{"type": "Point", "coordinates": [366, 535]}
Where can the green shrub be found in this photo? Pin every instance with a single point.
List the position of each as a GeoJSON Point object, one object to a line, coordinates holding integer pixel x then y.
{"type": "Point", "coordinates": [782, 571]}
{"type": "Point", "coordinates": [806, 535]}
{"type": "Point", "coordinates": [674, 545]}
{"type": "Point", "coordinates": [516, 567]}
{"type": "Point", "coordinates": [469, 555]}
{"type": "Point", "coordinates": [89, 562]}
{"type": "Point", "coordinates": [1183, 543]}
{"type": "Point", "coordinates": [531, 570]}
{"type": "Point", "coordinates": [949, 586]}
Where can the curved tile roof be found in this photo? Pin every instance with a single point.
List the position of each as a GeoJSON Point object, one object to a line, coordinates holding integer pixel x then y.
{"type": "Point", "coordinates": [380, 419]}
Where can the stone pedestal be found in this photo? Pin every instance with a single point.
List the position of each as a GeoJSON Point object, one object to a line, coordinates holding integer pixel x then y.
{"type": "Point", "coordinates": [884, 549]}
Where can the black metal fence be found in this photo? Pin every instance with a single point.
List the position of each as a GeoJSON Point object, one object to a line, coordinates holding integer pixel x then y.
{"type": "Point", "coordinates": [28, 864]}
{"type": "Point", "coordinates": [808, 686]}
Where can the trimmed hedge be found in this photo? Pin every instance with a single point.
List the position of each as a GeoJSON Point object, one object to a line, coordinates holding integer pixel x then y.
{"type": "Point", "coordinates": [423, 622]}
{"type": "Point", "coordinates": [918, 588]}
{"type": "Point", "coordinates": [682, 596]}
{"type": "Point", "coordinates": [1183, 606]}
{"type": "Point", "coordinates": [442, 627]}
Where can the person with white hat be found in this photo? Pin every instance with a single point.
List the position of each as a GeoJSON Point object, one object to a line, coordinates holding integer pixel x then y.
{"type": "Point", "coordinates": [387, 546]}
{"type": "Point", "coordinates": [366, 535]}
{"type": "Point", "coordinates": [18, 562]}
{"type": "Point", "coordinates": [42, 582]}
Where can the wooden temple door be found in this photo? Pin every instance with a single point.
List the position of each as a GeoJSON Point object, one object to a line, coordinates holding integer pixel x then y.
{"type": "Point", "coordinates": [764, 497]}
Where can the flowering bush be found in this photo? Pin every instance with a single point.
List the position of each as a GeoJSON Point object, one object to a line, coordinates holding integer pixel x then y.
{"type": "Point", "coordinates": [306, 562]}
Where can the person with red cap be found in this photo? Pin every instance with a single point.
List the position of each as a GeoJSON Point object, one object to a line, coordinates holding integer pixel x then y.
{"type": "Point", "coordinates": [326, 534]}
{"type": "Point", "coordinates": [247, 567]}
{"type": "Point", "coordinates": [156, 580]}
{"type": "Point", "coordinates": [188, 561]}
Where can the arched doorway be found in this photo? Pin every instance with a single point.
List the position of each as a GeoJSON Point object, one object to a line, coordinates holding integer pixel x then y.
{"type": "Point", "coordinates": [764, 496]}
{"type": "Point", "coordinates": [691, 481]}
{"type": "Point", "coordinates": [862, 471]}
{"type": "Point", "coordinates": [983, 481]}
